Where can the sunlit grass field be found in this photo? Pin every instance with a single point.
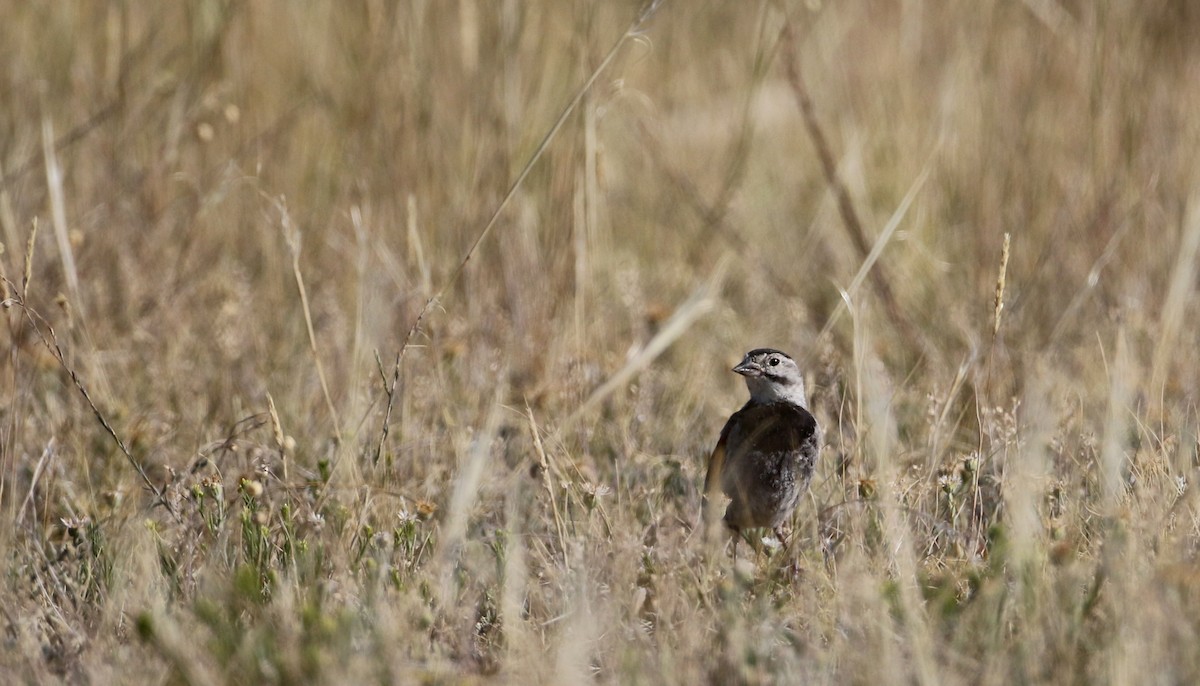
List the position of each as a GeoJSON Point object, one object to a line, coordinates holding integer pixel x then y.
{"type": "Point", "coordinates": [386, 342]}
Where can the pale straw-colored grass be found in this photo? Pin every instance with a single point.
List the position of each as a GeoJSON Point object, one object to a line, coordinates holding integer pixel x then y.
{"type": "Point", "coordinates": [460, 436]}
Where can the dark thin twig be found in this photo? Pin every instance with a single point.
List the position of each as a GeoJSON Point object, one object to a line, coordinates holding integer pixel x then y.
{"type": "Point", "coordinates": [714, 216]}
{"type": "Point", "coordinates": [854, 227]}
{"type": "Point", "coordinates": [66, 140]}
{"type": "Point", "coordinates": [51, 343]}
{"type": "Point", "coordinates": [387, 414]}
{"type": "Point", "coordinates": [95, 120]}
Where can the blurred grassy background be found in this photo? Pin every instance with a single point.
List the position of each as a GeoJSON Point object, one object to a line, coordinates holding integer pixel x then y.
{"type": "Point", "coordinates": [990, 508]}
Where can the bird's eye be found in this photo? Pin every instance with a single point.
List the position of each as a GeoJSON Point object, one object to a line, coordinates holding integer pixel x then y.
{"type": "Point", "coordinates": [774, 361]}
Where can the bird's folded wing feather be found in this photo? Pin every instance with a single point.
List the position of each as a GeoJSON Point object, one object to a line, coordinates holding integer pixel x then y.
{"type": "Point", "coordinates": [716, 464]}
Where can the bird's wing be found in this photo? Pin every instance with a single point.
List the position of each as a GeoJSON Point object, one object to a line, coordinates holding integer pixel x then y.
{"type": "Point", "coordinates": [778, 427]}
{"type": "Point", "coordinates": [716, 464]}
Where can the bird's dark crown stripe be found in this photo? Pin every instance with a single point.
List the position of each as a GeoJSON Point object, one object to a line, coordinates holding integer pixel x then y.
{"type": "Point", "coordinates": [767, 351]}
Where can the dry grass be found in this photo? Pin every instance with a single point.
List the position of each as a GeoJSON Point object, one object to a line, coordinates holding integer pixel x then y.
{"type": "Point", "coordinates": [246, 206]}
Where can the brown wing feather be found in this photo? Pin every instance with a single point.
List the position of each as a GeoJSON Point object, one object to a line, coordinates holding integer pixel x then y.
{"type": "Point", "coordinates": [712, 479]}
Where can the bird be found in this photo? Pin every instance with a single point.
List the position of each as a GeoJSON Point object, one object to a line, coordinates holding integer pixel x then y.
{"type": "Point", "coordinates": [765, 457]}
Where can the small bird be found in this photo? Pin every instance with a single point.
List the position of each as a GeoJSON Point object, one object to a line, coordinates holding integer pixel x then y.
{"type": "Point", "coordinates": [765, 457]}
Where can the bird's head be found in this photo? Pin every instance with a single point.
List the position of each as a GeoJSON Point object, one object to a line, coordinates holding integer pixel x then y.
{"type": "Point", "coordinates": [772, 376]}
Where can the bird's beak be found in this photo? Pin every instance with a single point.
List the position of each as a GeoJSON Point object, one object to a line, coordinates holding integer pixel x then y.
{"type": "Point", "coordinates": [748, 368]}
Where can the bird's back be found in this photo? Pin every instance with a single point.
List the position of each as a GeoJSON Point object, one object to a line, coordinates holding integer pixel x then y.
{"type": "Point", "coordinates": [770, 454]}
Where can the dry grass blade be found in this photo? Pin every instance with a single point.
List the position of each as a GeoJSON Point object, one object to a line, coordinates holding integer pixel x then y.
{"type": "Point", "coordinates": [881, 444]}
{"type": "Point", "coordinates": [854, 226]}
{"type": "Point", "coordinates": [8, 218]}
{"type": "Point", "coordinates": [1180, 293]}
{"type": "Point", "coordinates": [515, 590]}
{"type": "Point", "coordinates": [1039, 530]}
{"type": "Point", "coordinates": [70, 138]}
{"type": "Point", "coordinates": [715, 215]}
{"type": "Point", "coordinates": [691, 310]}
{"type": "Point", "coordinates": [998, 305]}
{"type": "Point", "coordinates": [58, 212]}
{"type": "Point", "coordinates": [466, 491]}
{"type": "Point", "coordinates": [416, 246]}
{"type": "Point", "coordinates": [635, 27]}
{"type": "Point", "coordinates": [28, 272]}
{"type": "Point", "coordinates": [1113, 461]}
{"type": "Point", "coordinates": [936, 442]}
{"type": "Point", "coordinates": [292, 238]}
{"type": "Point", "coordinates": [1093, 279]}
{"type": "Point", "coordinates": [466, 486]}
{"type": "Point", "coordinates": [278, 436]}
{"type": "Point", "coordinates": [631, 32]}
{"type": "Point", "coordinates": [1056, 18]}
{"type": "Point", "coordinates": [33, 481]}
{"type": "Point", "coordinates": [877, 249]}
{"type": "Point", "coordinates": [1027, 472]}
{"type": "Point", "coordinates": [548, 483]}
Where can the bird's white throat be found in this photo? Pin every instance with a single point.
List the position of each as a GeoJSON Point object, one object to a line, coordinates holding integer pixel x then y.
{"type": "Point", "coordinates": [765, 391]}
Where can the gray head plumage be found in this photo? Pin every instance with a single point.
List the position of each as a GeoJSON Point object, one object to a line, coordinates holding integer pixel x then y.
{"type": "Point", "coordinates": [772, 376]}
